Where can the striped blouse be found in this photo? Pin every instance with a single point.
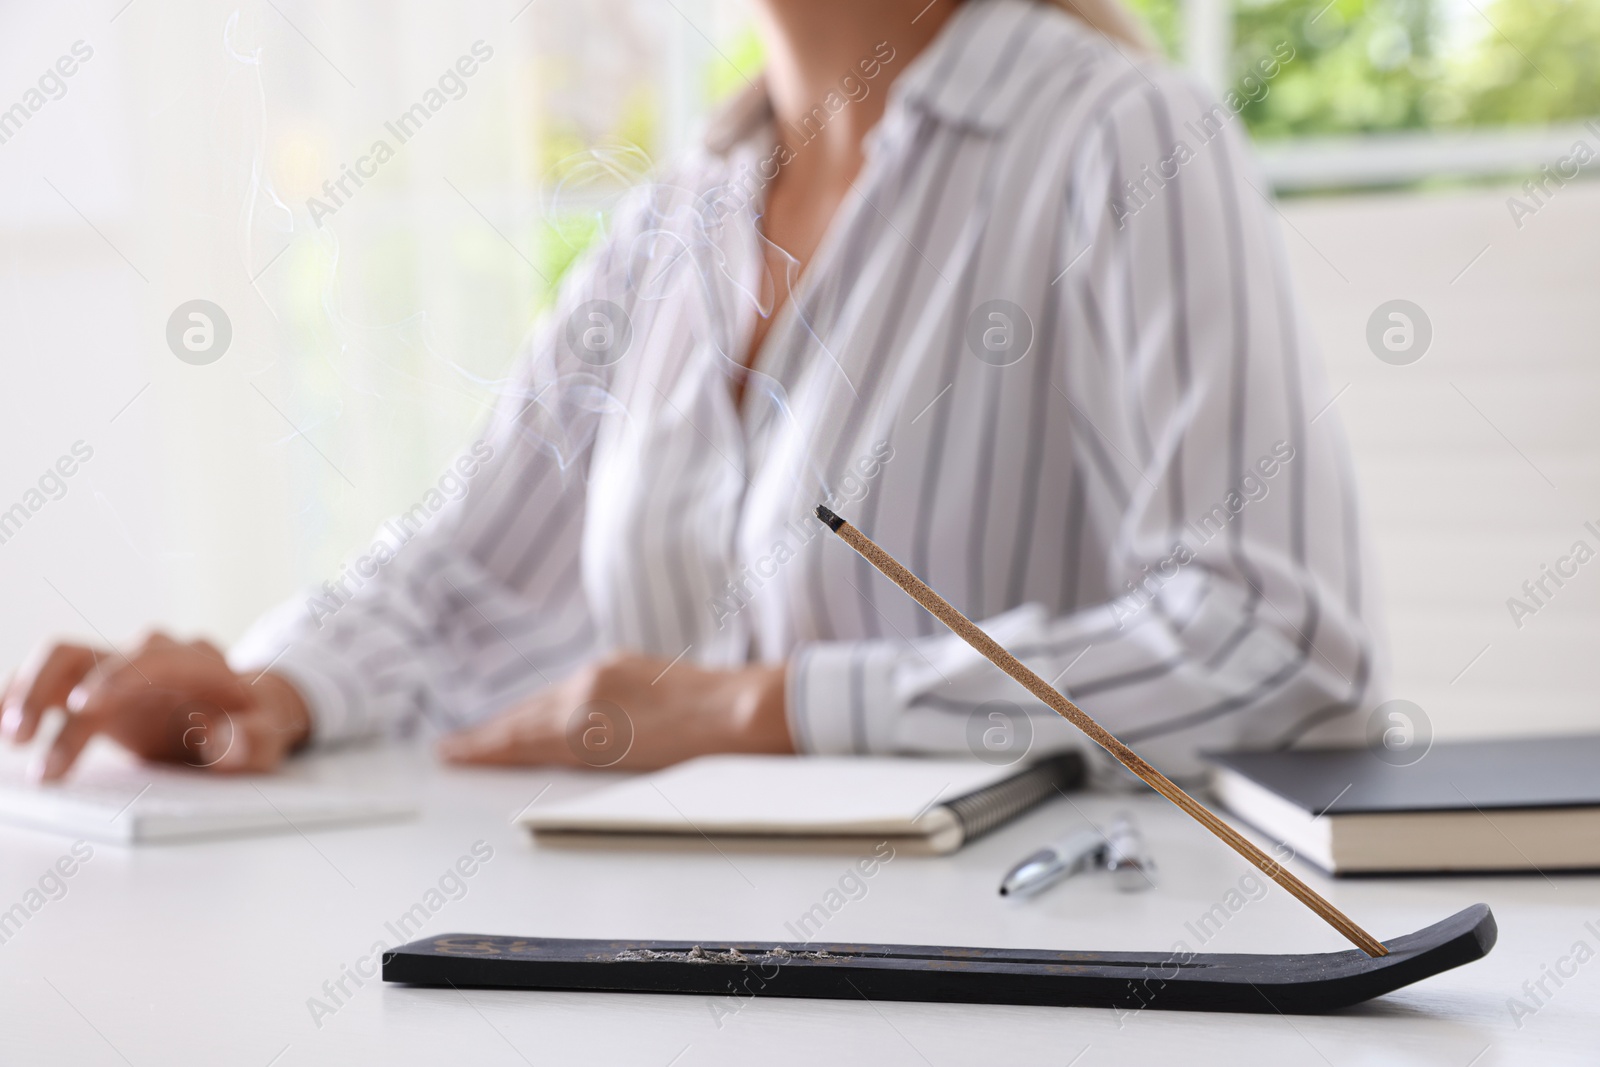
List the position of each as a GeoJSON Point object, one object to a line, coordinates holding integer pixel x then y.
{"type": "Point", "coordinates": [1047, 355]}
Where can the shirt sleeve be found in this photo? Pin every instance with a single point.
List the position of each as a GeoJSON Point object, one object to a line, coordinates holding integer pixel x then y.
{"type": "Point", "coordinates": [473, 597]}
{"type": "Point", "coordinates": [1222, 497]}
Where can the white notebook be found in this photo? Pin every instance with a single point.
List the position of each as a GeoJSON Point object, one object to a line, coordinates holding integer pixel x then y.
{"type": "Point", "coordinates": [812, 802]}
{"type": "Point", "coordinates": [124, 803]}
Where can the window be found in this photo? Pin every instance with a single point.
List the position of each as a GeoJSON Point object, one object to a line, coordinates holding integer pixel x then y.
{"type": "Point", "coordinates": [1397, 91]}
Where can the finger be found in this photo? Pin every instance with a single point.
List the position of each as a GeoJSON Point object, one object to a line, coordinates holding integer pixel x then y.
{"type": "Point", "coordinates": [9, 723]}
{"type": "Point", "coordinates": [110, 687]}
{"type": "Point", "coordinates": [44, 685]}
{"type": "Point", "coordinates": [105, 695]}
{"type": "Point", "coordinates": [68, 746]}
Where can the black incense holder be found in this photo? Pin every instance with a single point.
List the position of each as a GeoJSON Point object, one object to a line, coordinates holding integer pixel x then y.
{"type": "Point", "coordinates": [1129, 981]}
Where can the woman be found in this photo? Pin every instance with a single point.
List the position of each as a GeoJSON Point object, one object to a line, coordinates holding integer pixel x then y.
{"type": "Point", "coordinates": [983, 275]}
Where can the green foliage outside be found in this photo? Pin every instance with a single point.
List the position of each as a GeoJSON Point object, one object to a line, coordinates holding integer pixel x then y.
{"type": "Point", "coordinates": [1547, 68]}
{"type": "Point", "coordinates": [740, 61]}
{"type": "Point", "coordinates": [1369, 65]}
{"type": "Point", "coordinates": [1165, 19]}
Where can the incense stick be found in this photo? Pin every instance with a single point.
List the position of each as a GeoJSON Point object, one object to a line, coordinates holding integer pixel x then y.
{"type": "Point", "coordinates": [964, 628]}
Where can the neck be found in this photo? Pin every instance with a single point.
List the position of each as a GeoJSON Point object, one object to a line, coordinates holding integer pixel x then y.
{"type": "Point", "coordinates": [820, 47]}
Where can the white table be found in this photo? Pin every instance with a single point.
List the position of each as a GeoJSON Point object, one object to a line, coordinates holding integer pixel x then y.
{"type": "Point", "coordinates": [209, 953]}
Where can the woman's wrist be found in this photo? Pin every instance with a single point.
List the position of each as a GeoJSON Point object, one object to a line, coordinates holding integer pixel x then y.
{"type": "Point", "coordinates": [760, 714]}
{"type": "Point", "coordinates": [283, 702]}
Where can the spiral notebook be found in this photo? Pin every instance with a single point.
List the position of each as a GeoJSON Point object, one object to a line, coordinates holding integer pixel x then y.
{"type": "Point", "coordinates": [808, 803]}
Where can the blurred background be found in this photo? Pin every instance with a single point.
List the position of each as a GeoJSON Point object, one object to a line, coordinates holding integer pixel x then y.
{"type": "Point", "coordinates": [185, 158]}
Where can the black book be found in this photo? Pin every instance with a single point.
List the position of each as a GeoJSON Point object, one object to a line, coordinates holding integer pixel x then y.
{"type": "Point", "coordinates": [1525, 804]}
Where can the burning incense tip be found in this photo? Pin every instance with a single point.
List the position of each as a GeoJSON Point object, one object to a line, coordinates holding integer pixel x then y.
{"type": "Point", "coordinates": [833, 521]}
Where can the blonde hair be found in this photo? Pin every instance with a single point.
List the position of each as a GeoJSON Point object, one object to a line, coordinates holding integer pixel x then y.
{"type": "Point", "coordinates": [1113, 19]}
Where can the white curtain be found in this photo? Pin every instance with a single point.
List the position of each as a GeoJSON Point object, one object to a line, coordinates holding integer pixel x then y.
{"type": "Point", "coordinates": [184, 158]}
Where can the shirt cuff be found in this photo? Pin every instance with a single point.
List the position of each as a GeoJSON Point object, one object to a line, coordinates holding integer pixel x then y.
{"type": "Point", "coordinates": [840, 698]}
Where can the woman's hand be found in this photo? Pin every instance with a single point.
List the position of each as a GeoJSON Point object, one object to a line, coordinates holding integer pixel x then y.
{"type": "Point", "coordinates": [174, 701]}
{"type": "Point", "coordinates": [634, 713]}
